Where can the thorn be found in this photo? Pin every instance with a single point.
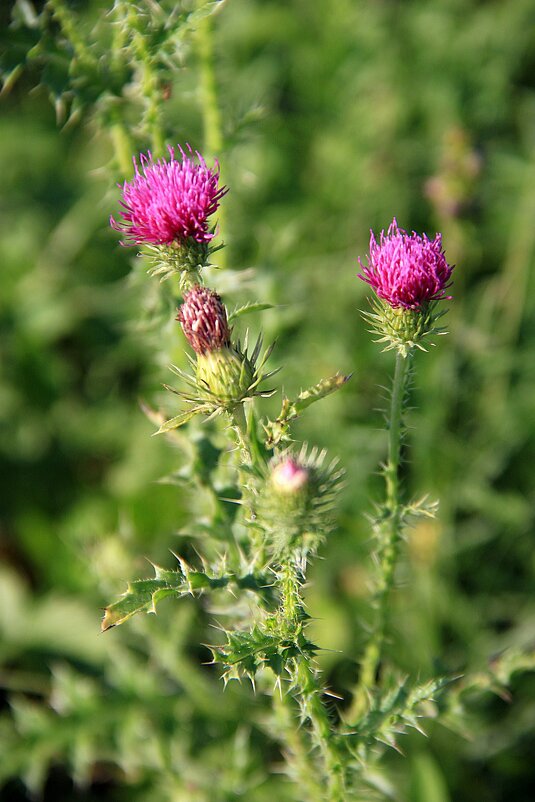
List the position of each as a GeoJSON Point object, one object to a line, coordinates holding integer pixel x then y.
{"type": "Point", "coordinates": [327, 692]}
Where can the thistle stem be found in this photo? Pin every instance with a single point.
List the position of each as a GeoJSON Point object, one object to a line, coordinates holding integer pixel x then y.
{"type": "Point", "coordinates": [249, 458]}
{"type": "Point", "coordinates": [239, 424]}
{"type": "Point", "coordinates": [213, 130]}
{"type": "Point", "coordinates": [296, 747]}
{"type": "Point", "coordinates": [306, 687]}
{"type": "Point", "coordinates": [68, 24]}
{"type": "Point", "coordinates": [390, 536]}
{"type": "Point", "coordinates": [150, 82]}
{"type": "Point", "coordinates": [123, 148]}
{"type": "Point", "coordinates": [213, 137]}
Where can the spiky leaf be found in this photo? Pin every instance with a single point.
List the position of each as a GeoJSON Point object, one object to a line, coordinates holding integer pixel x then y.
{"type": "Point", "coordinates": [277, 431]}
{"type": "Point", "coordinates": [143, 595]}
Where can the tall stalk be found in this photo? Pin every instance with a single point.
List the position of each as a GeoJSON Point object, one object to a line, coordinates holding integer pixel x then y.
{"type": "Point", "coordinates": [149, 81]}
{"type": "Point", "coordinates": [67, 22]}
{"type": "Point", "coordinates": [211, 114]}
{"type": "Point", "coordinates": [213, 135]}
{"type": "Point", "coordinates": [389, 537]}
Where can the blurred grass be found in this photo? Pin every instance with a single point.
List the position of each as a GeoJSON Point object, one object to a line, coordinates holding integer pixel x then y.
{"type": "Point", "coordinates": [337, 116]}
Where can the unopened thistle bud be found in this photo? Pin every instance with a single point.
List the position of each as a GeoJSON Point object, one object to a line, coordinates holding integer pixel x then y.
{"type": "Point", "coordinates": [409, 274]}
{"type": "Point", "coordinates": [224, 374]}
{"type": "Point", "coordinates": [166, 207]}
{"type": "Point", "coordinates": [289, 478]}
{"type": "Point", "coordinates": [203, 318]}
{"type": "Point", "coordinates": [296, 502]}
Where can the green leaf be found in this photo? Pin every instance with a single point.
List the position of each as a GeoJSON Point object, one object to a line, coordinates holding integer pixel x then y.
{"type": "Point", "coordinates": [319, 391]}
{"type": "Point", "coordinates": [277, 431]}
{"type": "Point", "coordinates": [247, 309]}
{"type": "Point", "coordinates": [427, 780]}
{"type": "Point", "coordinates": [179, 420]}
{"type": "Point", "coordinates": [143, 595]}
{"type": "Point", "coordinates": [245, 653]}
{"type": "Point", "coordinates": [394, 710]}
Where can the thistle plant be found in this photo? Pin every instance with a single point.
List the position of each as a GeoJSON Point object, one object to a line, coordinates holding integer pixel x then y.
{"type": "Point", "coordinates": [287, 494]}
{"type": "Point", "coordinates": [409, 275]}
{"type": "Point", "coordinates": [152, 715]}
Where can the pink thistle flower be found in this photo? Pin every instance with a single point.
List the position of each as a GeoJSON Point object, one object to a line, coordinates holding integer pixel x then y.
{"type": "Point", "coordinates": [169, 201]}
{"type": "Point", "coordinates": [407, 270]}
{"type": "Point", "coordinates": [203, 318]}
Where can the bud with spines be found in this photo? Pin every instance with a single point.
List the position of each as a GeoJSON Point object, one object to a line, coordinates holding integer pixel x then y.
{"type": "Point", "coordinates": [204, 321]}
{"type": "Point", "coordinates": [225, 374]}
{"type": "Point", "coordinates": [222, 370]}
{"type": "Point", "coordinates": [296, 501]}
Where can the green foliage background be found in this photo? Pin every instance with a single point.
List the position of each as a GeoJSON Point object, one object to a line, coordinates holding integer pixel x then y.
{"type": "Point", "coordinates": [337, 115]}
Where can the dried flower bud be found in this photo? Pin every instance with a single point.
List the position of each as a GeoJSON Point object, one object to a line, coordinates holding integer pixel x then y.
{"type": "Point", "coordinates": [203, 318]}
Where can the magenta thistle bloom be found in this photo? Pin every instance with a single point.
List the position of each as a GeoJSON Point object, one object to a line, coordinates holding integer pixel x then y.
{"type": "Point", "coordinates": [406, 270]}
{"type": "Point", "coordinates": [203, 318]}
{"type": "Point", "coordinates": [169, 201]}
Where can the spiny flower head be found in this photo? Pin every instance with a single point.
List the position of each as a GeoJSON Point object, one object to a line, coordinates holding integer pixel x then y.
{"type": "Point", "coordinates": [169, 201]}
{"type": "Point", "coordinates": [296, 501]}
{"type": "Point", "coordinates": [406, 270]}
{"type": "Point", "coordinates": [203, 318]}
{"type": "Point", "coordinates": [225, 374]}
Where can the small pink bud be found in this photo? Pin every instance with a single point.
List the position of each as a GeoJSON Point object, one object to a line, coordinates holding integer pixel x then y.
{"type": "Point", "coordinates": [203, 318]}
{"type": "Point", "coordinates": [289, 477]}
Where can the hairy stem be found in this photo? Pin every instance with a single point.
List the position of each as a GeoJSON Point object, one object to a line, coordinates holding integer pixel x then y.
{"type": "Point", "coordinates": [390, 536]}
{"type": "Point", "coordinates": [213, 137]}
{"type": "Point", "coordinates": [149, 83]}
{"type": "Point", "coordinates": [123, 149]}
{"type": "Point", "coordinates": [308, 692]}
{"type": "Point", "coordinates": [239, 425]}
{"type": "Point", "coordinates": [213, 132]}
{"type": "Point", "coordinates": [68, 25]}
{"type": "Point", "coordinates": [250, 458]}
{"type": "Point", "coordinates": [296, 747]}
{"type": "Point", "coordinates": [306, 688]}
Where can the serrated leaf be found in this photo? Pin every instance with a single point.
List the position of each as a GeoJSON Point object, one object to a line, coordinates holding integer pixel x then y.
{"type": "Point", "coordinates": [245, 653]}
{"type": "Point", "coordinates": [394, 710]}
{"type": "Point", "coordinates": [318, 391]}
{"type": "Point", "coordinates": [142, 597]}
{"type": "Point", "coordinates": [277, 431]}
